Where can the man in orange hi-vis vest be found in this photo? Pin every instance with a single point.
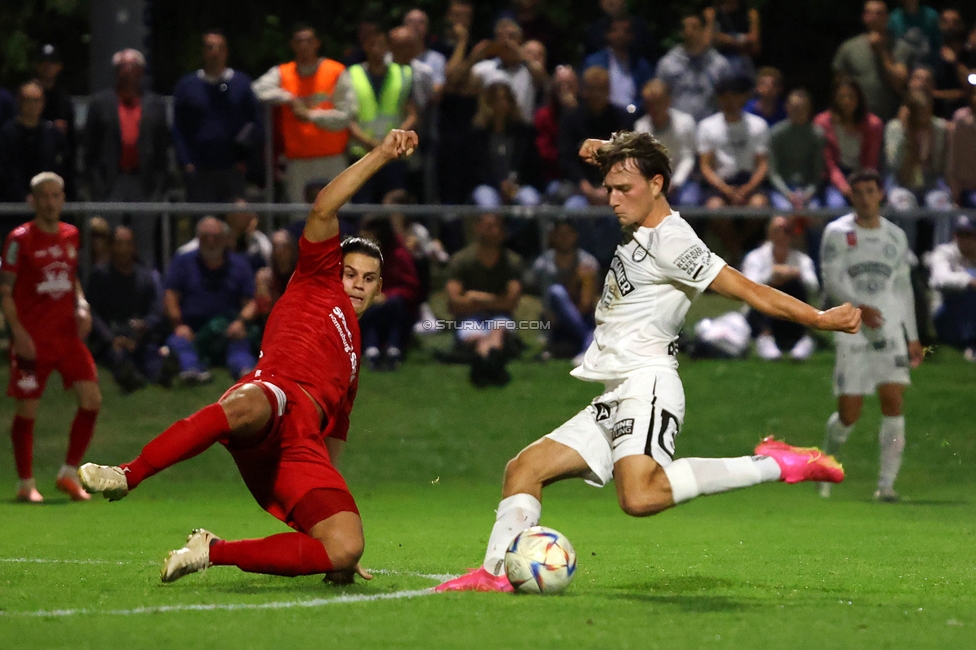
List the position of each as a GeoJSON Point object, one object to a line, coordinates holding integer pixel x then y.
{"type": "Point", "coordinates": [317, 102]}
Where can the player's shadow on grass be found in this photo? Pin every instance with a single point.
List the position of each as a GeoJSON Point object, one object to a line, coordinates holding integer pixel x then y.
{"type": "Point", "coordinates": [685, 592]}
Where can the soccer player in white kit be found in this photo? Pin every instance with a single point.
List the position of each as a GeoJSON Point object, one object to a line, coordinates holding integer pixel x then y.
{"type": "Point", "coordinates": [865, 261]}
{"type": "Point", "coordinates": [628, 433]}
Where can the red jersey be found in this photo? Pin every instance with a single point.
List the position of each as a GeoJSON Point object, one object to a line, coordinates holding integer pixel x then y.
{"type": "Point", "coordinates": [46, 265]}
{"type": "Point", "coordinates": [312, 334]}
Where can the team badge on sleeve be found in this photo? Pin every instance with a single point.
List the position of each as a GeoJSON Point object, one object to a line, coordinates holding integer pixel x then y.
{"type": "Point", "coordinates": [695, 258]}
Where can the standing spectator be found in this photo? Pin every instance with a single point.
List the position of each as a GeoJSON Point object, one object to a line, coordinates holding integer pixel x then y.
{"type": "Point", "coordinates": [693, 69]}
{"type": "Point", "coordinates": [386, 324]}
{"type": "Point", "coordinates": [8, 106]}
{"type": "Point", "coordinates": [961, 164]}
{"type": "Point", "coordinates": [676, 131]}
{"type": "Point", "coordinates": [216, 125]}
{"type": "Point", "coordinates": [918, 26]}
{"type": "Point", "coordinates": [952, 65]}
{"type": "Point", "coordinates": [317, 102]}
{"type": "Point", "coordinates": [915, 153]}
{"type": "Point", "coordinates": [778, 265]}
{"type": "Point", "coordinates": [562, 98]}
{"type": "Point", "coordinates": [736, 35]}
{"type": "Point", "coordinates": [29, 145]}
{"type": "Point", "coordinates": [796, 156]}
{"type": "Point", "coordinates": [417, 20]}
{"type": "Point", "coordinates": [567, 279]}
{"type": "Point", "coordinates": [244, 236]}
{"type": "Point", "coordinates": [953, 281]}
{"type": "Point", "coordinates": [368, 25]}
{"type": "Point", "coordinates": [210, 305]}
{"type": "Point", "coordinates": [457, 29]}
{"type": "Point", "coordinates": [384, 103]}
{"type": "Point", "coordinates": [483, 289]}
{"type": "Point", "coordinates": [536, 25]}
{"type": "Point", "coordinates": [643, 45]}
{"type": "Point", "coordinates": [504, 60]}
{"type": "Point", "coordinates": [768, 102]}
{"type": "Point", "coordinates": [853, 136]}
{"type": "Point", "coordinates": [505, 162]}
{"type": "Point", "coordinates": [45, 308]}
{"type": "Point", "coordinates": [733, 148]}
{"type": "Point", "coordinates": [58, 107]}
{"type": "Point", "coordinates": [456, 112]}
{"type": "Point", "coordinates": [127, 144]}
{"type": "Point", "coordinates": [270, 281]}
{"type": "Point", "coordinates": [405, 47]}
{"type": "Point", "coordinates": [536, 59]}
{"type": "Point", "coordinates": [127, 314]}
{"type": "Point", "coordinates": [595, 117]}
{"type": "Point", "coordinates": [876, 61]}
{"type": "Point", "coordinates": [628, 73]}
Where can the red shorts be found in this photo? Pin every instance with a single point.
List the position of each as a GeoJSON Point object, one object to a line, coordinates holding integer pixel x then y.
{"type": "Point", "coordinates": [68, 356]}
{"type": "Point", "coordinates": [289, 472]}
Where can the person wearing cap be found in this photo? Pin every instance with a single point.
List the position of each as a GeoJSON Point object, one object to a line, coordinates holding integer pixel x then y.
{"type": "Point", "coordinates": [126, 145]}
{"type": "Point", "coordinates": [953, 282]}
{"type": "Point", "coordinates": [57, 103]}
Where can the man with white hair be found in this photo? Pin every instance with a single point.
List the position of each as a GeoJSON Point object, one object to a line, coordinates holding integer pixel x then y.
{"type": "Point", "coordinates": [45, 308]}
{"type": "Point", "coordinates": [126, 145]}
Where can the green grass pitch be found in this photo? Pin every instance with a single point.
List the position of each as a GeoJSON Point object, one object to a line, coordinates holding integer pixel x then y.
{"type": "Point", "coordinates": [768, 567]}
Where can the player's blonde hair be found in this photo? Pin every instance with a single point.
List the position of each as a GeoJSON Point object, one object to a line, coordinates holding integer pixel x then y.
{"type": "Point", "coordinates": [46, 177]}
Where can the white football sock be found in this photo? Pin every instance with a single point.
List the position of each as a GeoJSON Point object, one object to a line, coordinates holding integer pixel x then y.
{"type": "Point", "coordinates": [515, 514]}
{"type": "Point", "coordinates": [892, 439]}
{"type": "Point", "coordinates": [692, 477]}
{"type": "Point", "coordinates": [69, 471]}
{"type": "Point", "coordinates": [837, 434]}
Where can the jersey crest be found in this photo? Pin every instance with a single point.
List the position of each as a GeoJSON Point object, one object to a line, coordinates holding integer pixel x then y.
{"type": "Point", "coordinates": [56, 282]}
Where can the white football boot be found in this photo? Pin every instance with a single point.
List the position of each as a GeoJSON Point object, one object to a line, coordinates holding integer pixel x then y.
{"type": "Point", "coordinates": [193, 557]}
{"type": "Point", "coordinates": [110, 481]}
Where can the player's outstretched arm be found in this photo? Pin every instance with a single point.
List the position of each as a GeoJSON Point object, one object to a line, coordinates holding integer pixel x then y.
{"type": "Point", "coordinates": [323, 220]}
{"type": "Point", "coordinates": [773, 302]}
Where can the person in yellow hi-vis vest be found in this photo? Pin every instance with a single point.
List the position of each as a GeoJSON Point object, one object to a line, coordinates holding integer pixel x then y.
{"type": "Point", "coordinates": [317, 103]}
{"type": "Point", "coordinates": [383, 96]}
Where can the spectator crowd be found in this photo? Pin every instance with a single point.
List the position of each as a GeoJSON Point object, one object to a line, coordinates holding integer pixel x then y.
{"type": "Point", "coordinates": [500, 120]}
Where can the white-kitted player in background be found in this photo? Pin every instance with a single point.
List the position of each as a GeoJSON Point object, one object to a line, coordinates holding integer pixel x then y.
{"type": "Point", "coordinates": [628, 433]}
{"type": "Point", "coordinates": [865, 261]}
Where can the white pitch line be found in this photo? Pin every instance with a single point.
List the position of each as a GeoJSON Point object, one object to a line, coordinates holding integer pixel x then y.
{"type": "Point", "coordinates": [30, 560]}
{"type": "Point", "coordinates": [210, 607]}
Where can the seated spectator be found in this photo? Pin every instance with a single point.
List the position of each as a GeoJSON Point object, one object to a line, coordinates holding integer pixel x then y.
{"type": "Point", "coordinates": [386, 325]}
{"type": "Point", "coordinates": [567, 278]}
{"type": "Point", "coordinates": [733, 148]}
{"type": "Point", "coordinates": [270, 281]}
{"type": "Point", "coordinates": [853, 137]}
{"type": "Point", "coordinates": [244, 237]}
{"type": "Point", "coordinates": [217, 125]}
{"type": "Point", "coordinates": [628, 73]}
{"type": "Point", "coordinates": [915, 153]}
{"type": "Point", "coordinates": [595, 117]}
{"type": "Point", "coordinates": [796, 157]}
{"type": "Point", "coordinates": [643, 44]}
{"type": "Point", "coordinates": [483, 289]}
{"type": "Point", "coordinates": [505, 161]}
{"type": "Point", "coordinates": [693, 69]}
{"type": "Point", "coordinates": [101, 241]}
{"type": "Point", "coordinates": [30, 145]}
{"type": "Point", "coordinates": [562, 97]}
{"type": "Point", "coordinates": [502, 59]}
{"type": "Point", "coordinates": [676, 131]}
{"type": "Point", "coordinates": [127, 314]}
{"type": "Point", "coordinates": [210, 305]}
{"type": "Point", "coordinates": [952, 65]}
{"type": "Point", "coordinates": [778, 265]}
{"type": "Point", "coordinates": [961, 164]}
{"type": "Point", "coordinates": [953, 281]}
{"type": "Point", "coordinates": [768, 102]}
{"type": "Point", "coordinates": [735, 34]}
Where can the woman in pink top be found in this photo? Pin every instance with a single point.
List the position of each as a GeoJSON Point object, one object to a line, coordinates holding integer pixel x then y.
{"type": "Point", "coordinates": [853, 140]}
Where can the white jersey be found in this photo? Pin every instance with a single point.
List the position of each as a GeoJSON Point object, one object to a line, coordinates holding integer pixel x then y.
{"type": "Point", "coordinates": [870, 266]}
{"type": "Point", "coordinates": [653, 279]}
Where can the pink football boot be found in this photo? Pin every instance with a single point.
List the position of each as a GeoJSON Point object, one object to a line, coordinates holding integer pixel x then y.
{"type": "Point", "coordinates": [801, 463]}
{"type": "Point", "coordinates": [477, 580]}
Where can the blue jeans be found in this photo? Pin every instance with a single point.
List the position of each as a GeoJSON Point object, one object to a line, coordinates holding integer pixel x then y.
{"type": "Point", "coordinates": [690, 193]}
{"type": "Point", "coordinates": [386, 323]}
{"type": "Point", "coordinates": [487, 196]}
{"type": "Point", "coordinates": [835, 199]}
{"type": "Point", "coordinates": [955, 321]}
{"type": "Point", "coordinates": [781, 202]}
{"type": "Point", "coordinates": [211, 344]}
{"type": "Point", "coordinates": [570, 323]}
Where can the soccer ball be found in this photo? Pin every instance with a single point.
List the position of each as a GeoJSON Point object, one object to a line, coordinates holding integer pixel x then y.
{"type": "Point", "coordinates": [540, 561]}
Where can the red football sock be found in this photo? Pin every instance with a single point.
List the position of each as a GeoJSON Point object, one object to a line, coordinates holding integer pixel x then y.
{"type": "Point", "coordinates": [81, 434]}
{"type": "Point", "coordinates": [22, 435]}
{"type": "Point", "coordinates": [286, 554]}
{"type": "Point", "coordinates": [184, 439]}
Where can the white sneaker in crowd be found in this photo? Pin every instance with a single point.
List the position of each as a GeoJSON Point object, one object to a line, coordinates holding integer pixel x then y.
{"type": "Point", "coordinates": [766, 348]}
{"type": "Point", "coordinates": [803, 348]}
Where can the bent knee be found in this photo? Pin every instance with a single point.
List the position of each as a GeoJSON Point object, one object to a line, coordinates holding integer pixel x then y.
{"type": "Point", "coordinates": [245, 407]}
{"type": "Point", "coordinates": [344, 553]}
{"type": "Point", "coordinates": [644, 505]}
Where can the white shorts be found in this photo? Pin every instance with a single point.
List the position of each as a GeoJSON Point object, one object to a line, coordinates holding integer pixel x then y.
{"type": "Point", "coordinates": [641, 414]}
{"type": "Point", "coordinates": [859, 370]}
{"type": "Point", "coordinates": [470, 328]}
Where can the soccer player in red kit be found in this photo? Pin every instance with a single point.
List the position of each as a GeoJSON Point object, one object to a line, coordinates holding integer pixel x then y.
{"type": "Point", "coordinates": [286, 422]}
{"type": "Point", "coordinates": [48, 316]}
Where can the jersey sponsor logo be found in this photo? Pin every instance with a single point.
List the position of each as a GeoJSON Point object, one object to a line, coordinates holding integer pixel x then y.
{"type": "Point", "coordinates": [12, 251]}
{"type": "Point", "coordinates": [55, 251]}
{"type": "Point", "coordinates": [339, 320]}
{"type": "Point", "coordinates": [872, 268]}
{"type": "Point", "coordinates": [622, 428]}
{"type": "Point", "coordinates": [620, 275]}
{"type": "Point", "coordinates": [852, 239]}
{"type": "Point", "coordinates": [28, 383]}
{"type": "Point", "coordinates": [604, 410]}
{"type": "Point", "coordinates": [56, 282]}
{"type": "Point", "coordinates": [695, 258]}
